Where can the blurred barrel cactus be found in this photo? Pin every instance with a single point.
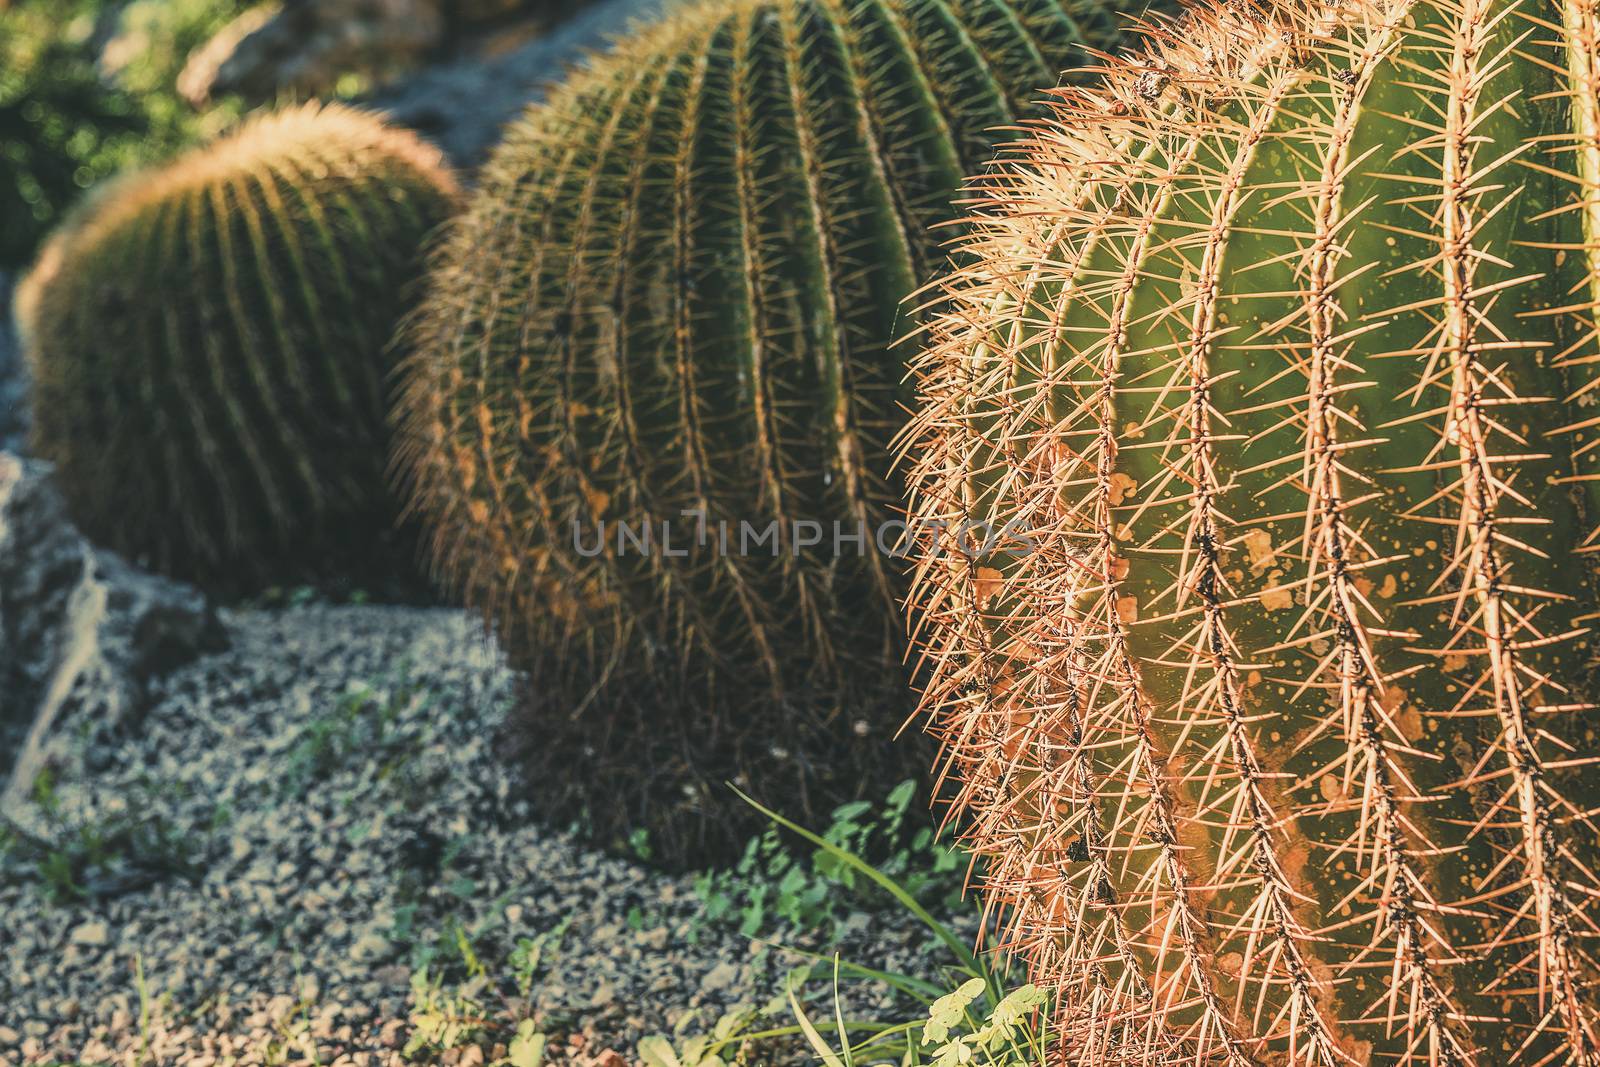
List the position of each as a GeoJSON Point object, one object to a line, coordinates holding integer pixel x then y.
{"type": "Point", "coordinates": [657, 376]}
{"type": "Point", "coordinates": [1278, 356]}
{"type": "Point", "coordinates": [209, 345]}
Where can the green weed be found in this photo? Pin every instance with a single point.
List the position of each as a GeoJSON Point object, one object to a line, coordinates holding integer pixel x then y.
{"type": "Point", "coordinates": [972, 1017]}
{"type": "Point", "coordinates": [364, 720]}
{"type": "Point", "coordinates": [80, 857]}
{"type": "Point", "coordinates": [486, 1009]}
{"type": "Point", "coordinates": [814, 890]}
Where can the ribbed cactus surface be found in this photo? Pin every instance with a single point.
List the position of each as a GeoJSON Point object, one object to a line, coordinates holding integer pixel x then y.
{"type": "Point", "coordinates": [1278, 356]}
{"type": "Point", "coordinates": [209, 348]}
{"type": "Point", "coordinates": [675, 300]}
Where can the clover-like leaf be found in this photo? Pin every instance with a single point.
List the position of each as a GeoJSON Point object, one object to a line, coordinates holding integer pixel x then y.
{"type": "Point", "coordinates": [947, 1012]}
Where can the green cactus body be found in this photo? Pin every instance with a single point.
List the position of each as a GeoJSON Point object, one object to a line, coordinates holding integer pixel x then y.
{"type": "Point", "coordinates": [677, 292]}
{"type": "Point", "coordinates": [209, 348]}
{"type": "Point", "coordinates": [1278, 353]}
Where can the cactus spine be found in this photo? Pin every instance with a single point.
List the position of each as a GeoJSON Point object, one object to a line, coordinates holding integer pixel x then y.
{"type": "Point", "coordinates": [1275, 718]}
{"type": "Point", "coordinates": [675, 296]}
{"type": "Point", "coordinates": [208, 346]}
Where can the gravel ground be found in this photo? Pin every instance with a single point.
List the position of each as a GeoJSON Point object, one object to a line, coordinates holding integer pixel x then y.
{"type": "Point", "coordinates": [297, 827]}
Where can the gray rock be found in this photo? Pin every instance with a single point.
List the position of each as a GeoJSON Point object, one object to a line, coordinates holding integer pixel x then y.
{"type": "Point", "coordinates": [462, 106]}
{"type": "Point", "coordinates": [372, 947]}
{"type": "Point", "coordinates": [42, 562]}
{"type": "Point", "coordinates": [81, 634]}
{"type": "Point", "coordinates": [13, 375]}
{"type": "Point", "coordinates": [303, 47]}
{"type": "Point", "coordinates": [720, 977]}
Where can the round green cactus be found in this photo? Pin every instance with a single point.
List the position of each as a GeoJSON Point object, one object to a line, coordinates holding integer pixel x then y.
{"type": "Point", "coordinates": [209, 348]}
{"type": "Point", "coordinates": [674, 305]}
{"type": "Point", "coordinates": [1277, 358]}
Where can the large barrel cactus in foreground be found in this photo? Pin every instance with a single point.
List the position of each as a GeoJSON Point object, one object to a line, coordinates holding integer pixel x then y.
{"type": "Point", "coordinates": [1274, 380]}
{"type": "Point", "coordinates": [674, 301]}
{"type": "Point", "coordinates": [209, 348]}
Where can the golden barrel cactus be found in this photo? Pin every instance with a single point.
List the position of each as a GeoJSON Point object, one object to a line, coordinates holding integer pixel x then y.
{"type": "Point", "coordinates": [209, 346]}
{"type": "Point", "coordinates": [1257, 469]}
{"type": "Point", "coordinates": [657, 376]}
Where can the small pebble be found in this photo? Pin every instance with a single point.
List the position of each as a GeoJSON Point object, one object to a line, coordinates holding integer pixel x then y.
{"type": "Point", "coordinates": [91, 934]}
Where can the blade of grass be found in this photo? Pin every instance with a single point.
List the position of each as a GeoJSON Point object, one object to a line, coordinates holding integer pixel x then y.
{"type": "Point", "coordinates": [813, 1037]}
{"type": "Point", "coordinates": [910, 985]}
{"type": "Point", "coordinates": [838, 1017]}
{"type": "Point", "coordinates": [796, 1030]}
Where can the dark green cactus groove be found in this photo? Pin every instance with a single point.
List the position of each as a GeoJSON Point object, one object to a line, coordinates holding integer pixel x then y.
{"type": "Point", "coordinates": [1278, 354]}
{"type": "Point", "coordinates": [675, 299]}
{"type": "Point", "coordinates": [209, 348]}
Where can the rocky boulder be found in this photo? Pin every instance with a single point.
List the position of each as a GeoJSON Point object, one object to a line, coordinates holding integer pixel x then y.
{"type": "Point", "coordinates": [461, 105]}
{"type": "Point", "coordinates": [463, 79]}
{"type": "Point", "coordinates": [81, 634]}
{"type": "Point", "coordinates": [13, 377]}
{"type": "Point", "coordinates": [305, 47]}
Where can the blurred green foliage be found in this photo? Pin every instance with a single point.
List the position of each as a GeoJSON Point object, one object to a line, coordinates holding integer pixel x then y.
{"type": "Point", "coordinates": [87, 88]}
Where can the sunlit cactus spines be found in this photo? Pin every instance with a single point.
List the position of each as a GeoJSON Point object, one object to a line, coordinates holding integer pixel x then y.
{"type": "Point", "coordinates": [210, 349]}
{"type": "Point", "coordinates": [676, 295]}
{"type": "Point", "coordinates": [1279, 353]}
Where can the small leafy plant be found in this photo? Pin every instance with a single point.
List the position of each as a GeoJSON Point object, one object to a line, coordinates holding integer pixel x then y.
{"type": "Point", "coordinates": [772, 884]}
{"type": "Point", "coordinates": [485, 1009]}
{"type": "Point", "coordinates": [363, 720]}
{"type": "Point", "coordinates": [1000, 1039]}
{"type": "Point", "coordinates": [727, 1043]}
{"type": "Point", "coordinates": [80, 856]}
{"type": "Point", "coordinates": [971, 1016]}
{"type": "Point", "coordinates": [982, 1021]}
{"type": "Point", "coordinates": [443, 1019]}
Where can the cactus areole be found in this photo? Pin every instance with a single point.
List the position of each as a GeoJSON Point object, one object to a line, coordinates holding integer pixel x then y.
{"type": "Point", "coordinates": [658, 376]}
{"type": "Point", "coordinates": [1280, 353]}
{"type": "Point", "coordinates": [209, 343]}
